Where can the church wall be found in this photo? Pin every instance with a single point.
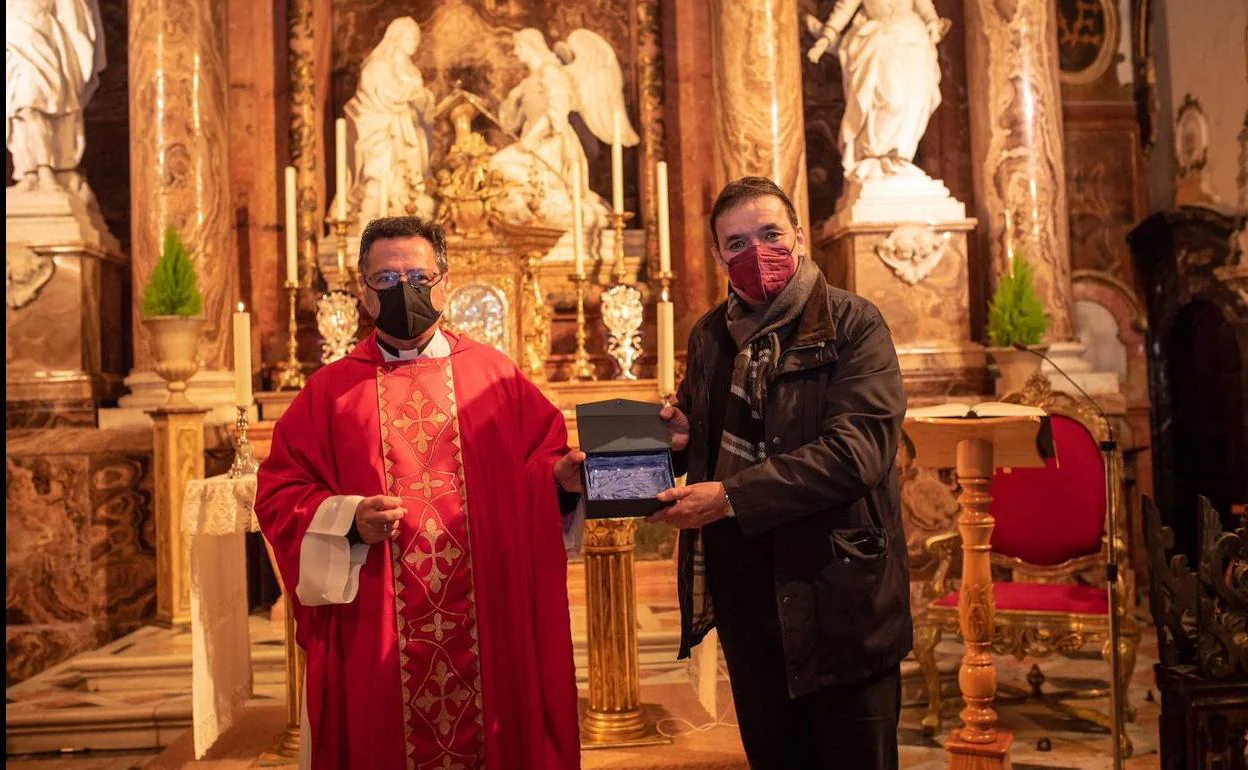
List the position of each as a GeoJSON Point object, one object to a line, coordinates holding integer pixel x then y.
{"type": "Point", "coordinates": [1203, 54]}
{"type": "Point", "coordinates": [258, 131]}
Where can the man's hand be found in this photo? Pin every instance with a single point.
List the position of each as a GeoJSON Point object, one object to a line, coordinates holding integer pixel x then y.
{"type": "Point", "coordinates": [677, 427]}
{"type": "Point", "coordinates": [568, 471]}
{"type": "Point", "coordinates": [693, 506]}
{"type": "Point", "coordinates": [377, 518]}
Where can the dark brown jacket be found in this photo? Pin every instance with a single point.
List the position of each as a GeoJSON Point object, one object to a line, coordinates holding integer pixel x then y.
{"type": "Point", "coordinates": [833, 419]}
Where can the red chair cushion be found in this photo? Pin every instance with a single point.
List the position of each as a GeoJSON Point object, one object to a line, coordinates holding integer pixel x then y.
{"type": "Point", "coordinates": [1040, 597]}
{"type": "Point", "coordinates": [1052, 514]}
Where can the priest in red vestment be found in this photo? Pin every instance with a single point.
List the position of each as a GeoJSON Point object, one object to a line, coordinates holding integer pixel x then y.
{"type": "Point", "coordinates": [419, 496]}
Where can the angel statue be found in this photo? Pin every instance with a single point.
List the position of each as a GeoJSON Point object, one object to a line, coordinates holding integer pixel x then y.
{"type": "Point", "coordinates": [390, 116]}
{"type": "Point", "coordinates": [53, 56]}
{"type": "Point", "coordinates": [892, 80]}
{"type": "Point", "coordinates": [581, 75]}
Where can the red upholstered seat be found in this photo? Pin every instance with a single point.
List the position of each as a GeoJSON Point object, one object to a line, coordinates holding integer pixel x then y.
{"type": "Point", "coordinates": [1049, 515]}
{"type": "Point", "coordinates": [1040, 597]}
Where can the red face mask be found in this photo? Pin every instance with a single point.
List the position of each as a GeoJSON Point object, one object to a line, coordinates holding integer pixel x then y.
{"type": "Point", "coordinates": [760, 272]}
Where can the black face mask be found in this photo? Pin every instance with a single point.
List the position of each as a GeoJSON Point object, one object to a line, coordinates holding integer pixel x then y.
{"type": "Point", "coordinates": [406, 311]}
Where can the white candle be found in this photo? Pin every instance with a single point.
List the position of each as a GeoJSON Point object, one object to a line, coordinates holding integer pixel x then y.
{"type": "Point", "coordinates": [578, 221]}
{"type": "Point", "coordinates": [292, 228]}
{"type": "Point", "coordinates": [242, 357]}
{"type": "Point", "coordinates": [617, 164]}
{"type": "Point", "coordinates": [340, 159]}
{"type": "Point", "coordinates": [667, 349]}
{"type": "Point", "coordinates": [665, 228]}
{"type": "Point", "coordinates": [385, 195]}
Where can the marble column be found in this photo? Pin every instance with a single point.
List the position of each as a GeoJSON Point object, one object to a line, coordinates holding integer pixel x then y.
{"type": "Point", "coordinates": [1016, 144]}
{"type": "Point", "coordinates": [756, 78]}
{"type": "Point", "coordinates": [179, 174]}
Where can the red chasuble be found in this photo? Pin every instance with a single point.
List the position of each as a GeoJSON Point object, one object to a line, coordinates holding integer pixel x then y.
{"type": "Point", "coordinates": [456, 652]}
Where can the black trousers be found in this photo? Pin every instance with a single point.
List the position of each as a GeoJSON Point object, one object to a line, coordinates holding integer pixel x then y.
{"type": "Point", "coordinates": [849, 726]}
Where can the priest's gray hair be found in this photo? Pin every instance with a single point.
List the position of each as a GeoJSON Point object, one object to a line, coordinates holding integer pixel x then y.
{"type": "Point", "coordinates": [403, 227]}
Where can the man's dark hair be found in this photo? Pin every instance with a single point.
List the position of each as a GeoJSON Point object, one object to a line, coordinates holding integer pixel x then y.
{"type": "Point", "coordinates": [745, 189]}
{"type": "Point", "coordinates": [403, 227]}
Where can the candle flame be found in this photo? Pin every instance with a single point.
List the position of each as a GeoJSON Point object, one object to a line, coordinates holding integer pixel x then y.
{"type": "Point", "coordinates": [240, 307]}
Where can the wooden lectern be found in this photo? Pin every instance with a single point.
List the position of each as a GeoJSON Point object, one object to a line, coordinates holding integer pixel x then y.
{"type": "Point", "coordinates": [977, 444]}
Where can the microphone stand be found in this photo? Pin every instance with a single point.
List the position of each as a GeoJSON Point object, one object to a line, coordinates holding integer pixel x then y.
{"type": "Point", "coordinates": [1109, 449]}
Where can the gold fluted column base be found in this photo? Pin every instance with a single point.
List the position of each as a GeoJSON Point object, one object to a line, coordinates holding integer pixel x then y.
{"type": "Point", "coordinates": [615, 716]}
{"type": "Point", "coordinates": [177, 457]}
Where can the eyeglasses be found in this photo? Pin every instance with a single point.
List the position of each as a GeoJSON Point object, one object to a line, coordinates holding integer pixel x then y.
{"type": "Point", "coordinates": [388, 279]}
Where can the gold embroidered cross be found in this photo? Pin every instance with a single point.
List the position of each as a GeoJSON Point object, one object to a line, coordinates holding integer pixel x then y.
{"type": "Point", "coordinates": [437, 627]}
{"type": "Point", "coordinates": [426, 484]}
{"type": "Point", "coordinates": [437, 695]}
{"type": "Point", "coordinates": [448, 553]}
{"type": "Point", "coordinates": [425, 415]}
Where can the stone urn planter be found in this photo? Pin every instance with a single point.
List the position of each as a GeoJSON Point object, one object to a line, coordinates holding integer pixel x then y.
{"type": "Point", "coordinates": [1014, 367]}
{"type": "Point", "coordinates": [174, 341]}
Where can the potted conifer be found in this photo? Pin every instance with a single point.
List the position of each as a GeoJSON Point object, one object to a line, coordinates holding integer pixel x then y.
{"type": "Point", "coordinates": [172, 309]}
{"type": "Point", "coordinates": [1016, 317]}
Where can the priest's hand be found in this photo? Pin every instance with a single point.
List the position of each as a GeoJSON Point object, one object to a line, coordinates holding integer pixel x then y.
{"type": "Point", "coordinates": [677, 427]}
{"type": "Point", "coordinates": [377, 518]}
{"type": "Point", "coordinates": [568, 471]}
{"type": "Point", "coordinates": [693, 506]}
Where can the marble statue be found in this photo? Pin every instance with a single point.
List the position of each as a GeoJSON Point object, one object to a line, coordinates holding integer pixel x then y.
{"type": "Point", "coordinates": [889, 65]}
{"type": "Point", "coordinates": [581, 75]}
{"type": "Point", "coordinates": [389, 117]}
{"type": "Point", "coordinates": [53, 56]}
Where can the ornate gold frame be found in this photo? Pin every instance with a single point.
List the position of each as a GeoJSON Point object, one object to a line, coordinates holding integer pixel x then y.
{"type": "Point", "coordinates": [1036, 634]}
{"type": "Point", "coordinates": [1105, 57]}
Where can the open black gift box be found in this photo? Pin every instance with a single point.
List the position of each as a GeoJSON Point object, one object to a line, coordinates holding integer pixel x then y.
{"type": "Point", "coordinates": [628, 458]}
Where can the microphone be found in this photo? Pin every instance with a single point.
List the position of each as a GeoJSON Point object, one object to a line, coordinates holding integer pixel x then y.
{"type": "Point", "coordinates": [1111, 565]}
{"type": "Point", "coordinates": [1112, 443]}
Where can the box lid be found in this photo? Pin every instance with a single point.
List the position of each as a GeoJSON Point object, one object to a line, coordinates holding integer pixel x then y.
{"type": "Point", "coordinates": [620, 425]}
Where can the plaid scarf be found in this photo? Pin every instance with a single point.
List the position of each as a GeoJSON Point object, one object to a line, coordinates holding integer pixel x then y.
{"type": "Point", "coordinates": [758, 333]}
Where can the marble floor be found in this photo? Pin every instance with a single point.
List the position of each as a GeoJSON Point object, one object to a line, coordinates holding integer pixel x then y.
{"type": "Point", "coordinates": [139, 686]}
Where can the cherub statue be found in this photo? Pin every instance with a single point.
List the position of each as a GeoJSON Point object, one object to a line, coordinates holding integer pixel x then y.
{"type": "Point", "coordinates": [581, 75]}
{"type": "Point", "coordinates": [390, 115]}
{"type": "Point", "coordinates": [892, 80]}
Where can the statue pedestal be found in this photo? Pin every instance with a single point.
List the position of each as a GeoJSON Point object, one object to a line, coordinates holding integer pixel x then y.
{"type": "Point", "coordinates": [897, 198]}
{"type": "Point", "coordinates": [915, 272]}
{"type": "Point", "coordinates": [1070, 356]}
{"type": "Point", "coordinates": [66, 313]}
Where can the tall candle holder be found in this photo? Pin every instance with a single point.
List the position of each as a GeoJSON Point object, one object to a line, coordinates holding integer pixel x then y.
{"type": "Point", "coordinates": [622, 311]}
{"type": "Point", "coordinates": [244, 459]}
{"type": "Point", "coordinates": [290, 374]}
{"type": "Point", "coordinates": [582, 369]}
{"type": "Point", "coordinates": [619, 272]}
{"type": "Point", "coordinates": [337, 310]}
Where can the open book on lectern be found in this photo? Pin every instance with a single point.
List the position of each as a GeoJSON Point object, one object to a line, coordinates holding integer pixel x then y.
{"type": "Point", "coordinates": [1020, 435]}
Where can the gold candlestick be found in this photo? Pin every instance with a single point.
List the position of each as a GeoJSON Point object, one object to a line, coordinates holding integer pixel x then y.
{"type": "Point", "coordinates": [618, 271]}
{"type": "Point", "coordinates": [337, 310]}
{"type": "Point", "coordinates": [244, 459]}
{"type": "Point", "coordinates": [340, 233]}
{"type": "Point", "coordinates": [582, 369]}
{"type": "Point", "coordinates": [290, 373]}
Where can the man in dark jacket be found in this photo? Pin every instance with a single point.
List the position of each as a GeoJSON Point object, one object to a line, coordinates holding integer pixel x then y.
{"type": "Point", "coordinates": [791, 542]}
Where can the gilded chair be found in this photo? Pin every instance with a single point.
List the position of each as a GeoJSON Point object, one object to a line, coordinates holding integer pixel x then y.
{"type": "Point", "coordinates": [1048, 556]}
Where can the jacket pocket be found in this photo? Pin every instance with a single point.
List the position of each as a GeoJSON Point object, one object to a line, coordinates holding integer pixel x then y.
{"type": "Point", "coordinates": [859, 544]}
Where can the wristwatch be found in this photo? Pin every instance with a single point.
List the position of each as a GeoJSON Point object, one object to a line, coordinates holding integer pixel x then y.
{"type": "Point", "coordinates": [728, 511]}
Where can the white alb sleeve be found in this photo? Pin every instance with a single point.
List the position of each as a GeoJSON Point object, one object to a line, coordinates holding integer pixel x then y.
{"type": "Point", "coordinates": [329, 566]}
